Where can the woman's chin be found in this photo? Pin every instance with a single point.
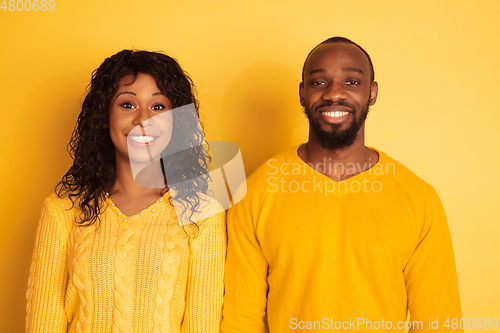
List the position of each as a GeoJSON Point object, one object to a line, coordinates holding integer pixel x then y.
{"type": "Point", "coordinates": [148, 174]}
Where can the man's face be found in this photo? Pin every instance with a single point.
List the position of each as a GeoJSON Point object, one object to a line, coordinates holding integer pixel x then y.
{"type": "Point", "coordinates": [336, 94]}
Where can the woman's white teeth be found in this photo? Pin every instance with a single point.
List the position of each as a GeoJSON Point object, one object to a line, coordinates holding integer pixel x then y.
{"type": "Point", "coordinates": [141, 138]}
{"type": "Point", "coordinates": [336, 114]}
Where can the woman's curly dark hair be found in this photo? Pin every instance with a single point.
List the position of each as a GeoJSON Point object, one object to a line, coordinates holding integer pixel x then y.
{"type": "Point", "coordinates": [94, 168]}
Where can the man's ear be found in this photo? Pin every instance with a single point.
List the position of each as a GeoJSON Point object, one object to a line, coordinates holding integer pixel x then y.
{"type": "Point", "coordinates": [301, 93]}
{"type": "Point", "coordinates": [373, 93]}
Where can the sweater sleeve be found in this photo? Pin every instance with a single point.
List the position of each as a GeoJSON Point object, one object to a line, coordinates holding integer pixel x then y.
{"type": "Point", "coordinates": [205, 284]}
{"type": "Point", "coordinates": [430, 274]}
{"type": "Point", "coordinates": [48, 275]}
{"type": "Point", "coordinates": [246, 287]}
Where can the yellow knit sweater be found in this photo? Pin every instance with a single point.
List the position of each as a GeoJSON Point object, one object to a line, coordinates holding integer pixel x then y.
{"type": "Point", "coordinates": [142, 273]}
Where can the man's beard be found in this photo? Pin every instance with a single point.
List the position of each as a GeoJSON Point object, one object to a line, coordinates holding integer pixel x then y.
{"type": "Point", "coordinates": [337, 139]}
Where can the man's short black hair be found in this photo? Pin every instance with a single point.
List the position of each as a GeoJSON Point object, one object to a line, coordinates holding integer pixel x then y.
{"type": "Point", "coordinates": [339, 39]}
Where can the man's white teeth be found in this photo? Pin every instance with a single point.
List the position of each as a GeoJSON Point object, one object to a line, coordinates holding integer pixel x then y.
{"type": "Point", "coordinates": [141, 138]}
{"type": "Point", "coordinates": [336, 114]}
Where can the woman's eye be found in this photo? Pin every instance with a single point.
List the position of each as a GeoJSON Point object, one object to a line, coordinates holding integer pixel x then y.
{"type": "Point", "coordinates": [127, 105]}
{"type": "Point", "coordinates": [158, 107]}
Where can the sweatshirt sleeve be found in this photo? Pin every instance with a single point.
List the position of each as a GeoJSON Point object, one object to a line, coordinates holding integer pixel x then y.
{"type": "Point", "coordinates": [430, 274]}
{"type": "Point", "coordinates": [246, 287]}
{"type": "Point", "coordinates": [205, 284]}
{"type": "Point", "coordinates": [48, 275]}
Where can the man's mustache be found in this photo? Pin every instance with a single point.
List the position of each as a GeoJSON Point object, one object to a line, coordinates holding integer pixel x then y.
{"type": "Point", "coordinates": [330, 103]}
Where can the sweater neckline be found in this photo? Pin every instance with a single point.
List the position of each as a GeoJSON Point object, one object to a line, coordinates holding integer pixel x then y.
{"type": "Point", "coordinates": [151, 209]}
{"type": "Point", "coordinates": [350, 184]}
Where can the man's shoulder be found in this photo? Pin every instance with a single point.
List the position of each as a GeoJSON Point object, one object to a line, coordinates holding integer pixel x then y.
{"type": "Point", "coordinates": [404, 177]}
{"type": "Point", "coordinates": [257, 185]}
{"type": "Point", "coordinates": [270, 169]}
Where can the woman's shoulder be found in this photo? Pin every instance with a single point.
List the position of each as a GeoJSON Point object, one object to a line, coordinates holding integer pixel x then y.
{"type": "Point", "coordinates": [61, 201]}
{"type": "Point", "coordinates": [207, 212]}
{"type": "Point", "coordinates": [210, 208]}
{"type": "Point", "coordinates": [56, 218]}
{"type": "Point", "coordinates": [61, 209]}
{"type": "Point", "coordinates": [209, 222]}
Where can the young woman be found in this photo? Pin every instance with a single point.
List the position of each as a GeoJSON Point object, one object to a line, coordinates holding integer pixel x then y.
{"type": "Point", "coordinates": [130, 242]}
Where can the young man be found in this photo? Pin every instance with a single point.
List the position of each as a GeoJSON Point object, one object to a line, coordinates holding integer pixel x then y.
{"type": "Point", "coordinates": [333, 234]}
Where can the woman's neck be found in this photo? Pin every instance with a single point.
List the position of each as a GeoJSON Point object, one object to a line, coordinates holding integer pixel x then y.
{"type": "Point", "coordinates": [138, 180]}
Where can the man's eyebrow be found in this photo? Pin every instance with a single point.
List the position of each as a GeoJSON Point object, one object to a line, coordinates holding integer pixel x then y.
{"type": "Point", "coordinates": [347, 69]}
{"type": "Point", "coordinates": [352, 69]}
{"type": "Point", "coordinates": [314, 71]}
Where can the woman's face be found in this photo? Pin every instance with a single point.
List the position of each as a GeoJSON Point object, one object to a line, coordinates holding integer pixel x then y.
{"type": "Point", "coordinates": [139, 122]}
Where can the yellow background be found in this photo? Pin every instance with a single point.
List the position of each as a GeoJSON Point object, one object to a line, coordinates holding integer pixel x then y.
{"type": "Point", "coordinates": [437, 64]}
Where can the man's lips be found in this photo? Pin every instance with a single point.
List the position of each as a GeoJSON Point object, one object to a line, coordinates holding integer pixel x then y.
{"type": "Point", "coordinates": [334, 114]}
{"type": "Point", "coordinates": [333, 108]}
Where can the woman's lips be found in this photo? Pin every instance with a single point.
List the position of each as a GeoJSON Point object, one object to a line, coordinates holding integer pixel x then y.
{"type": "Point", "coordinates": [141, 140]}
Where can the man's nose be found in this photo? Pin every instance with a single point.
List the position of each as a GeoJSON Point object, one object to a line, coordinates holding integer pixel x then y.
{"type": "Point", "coordinates": [335, 92]}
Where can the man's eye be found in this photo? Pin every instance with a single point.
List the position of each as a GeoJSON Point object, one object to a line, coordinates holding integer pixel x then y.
{"type": "Point", "coordinates": [352, 82]}
{"type": "Point", "coordinates": [317, 83]}
{"type": "Point", "coordinates": [158, 107]}
{"type": "Point", "coordinates": [127, 105]}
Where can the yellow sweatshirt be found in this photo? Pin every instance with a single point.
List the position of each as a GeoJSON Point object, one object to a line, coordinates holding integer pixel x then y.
{"type": "Point", "coordinates": [142, 273]}
{"type": "Point", "coordinates": [314, 254]}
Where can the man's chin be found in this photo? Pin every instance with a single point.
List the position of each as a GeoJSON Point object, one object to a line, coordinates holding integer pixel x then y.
{"type": "Point", "coordinates": [334, 129]}
{"type": "Point", "coordinates": [337, 144]}
{"type": "Point", "coordinates": [336, 138]}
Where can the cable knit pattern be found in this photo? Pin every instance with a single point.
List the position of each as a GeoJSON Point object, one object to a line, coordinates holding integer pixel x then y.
{"type": "Point", "coordinates": [124, 286]}
{"type": "Point", "coordinates": [81, 278]}
{"type": "Point", "coordinates": [168, 277]}
{"type": "Point", "coordinates": [143, 273]}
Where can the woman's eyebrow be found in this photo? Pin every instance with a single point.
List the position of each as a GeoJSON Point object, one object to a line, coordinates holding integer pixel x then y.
{"type": "Point", "coordinates": [133, 93]}
{"type": "Point", "coordinates": [127, 92]}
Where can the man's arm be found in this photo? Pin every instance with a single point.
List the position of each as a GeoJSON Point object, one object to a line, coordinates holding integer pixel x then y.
{"type": "Point", "coordinates": [430, 274]}
{"type": "Point", "coordinates": [246, 287]}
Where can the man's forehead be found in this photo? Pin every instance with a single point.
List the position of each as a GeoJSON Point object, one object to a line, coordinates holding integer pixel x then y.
{"type": "Point", "coordinates": [346, 53]}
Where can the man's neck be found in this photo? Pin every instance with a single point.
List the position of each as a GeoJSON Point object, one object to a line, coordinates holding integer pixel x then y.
{"type": "Point", "coordinates": [338, 164]}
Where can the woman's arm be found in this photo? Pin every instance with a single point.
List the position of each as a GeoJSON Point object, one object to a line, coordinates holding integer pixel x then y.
{"type": "Point", "coordinates": [205, 286]}
{"type": "Point", "coordinates": [48, 275]}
